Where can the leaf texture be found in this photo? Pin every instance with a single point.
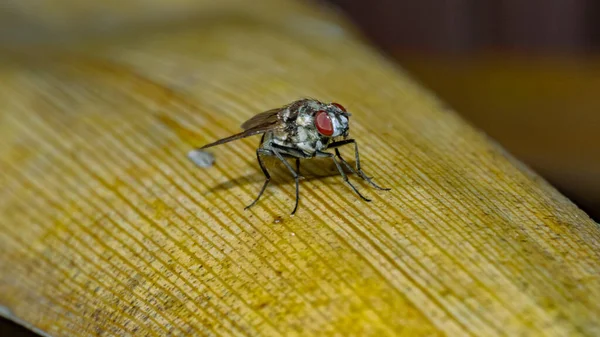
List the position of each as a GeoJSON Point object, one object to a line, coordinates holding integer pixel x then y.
{"type": "Point", "coordinates": [108, 229]}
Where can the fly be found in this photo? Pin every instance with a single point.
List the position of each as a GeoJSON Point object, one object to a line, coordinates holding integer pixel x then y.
{"type": "Point", "coordinates": [303, 129]}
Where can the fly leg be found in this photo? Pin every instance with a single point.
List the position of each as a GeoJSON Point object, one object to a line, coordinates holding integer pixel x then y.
{"type": "Point", "coordinates": [342, 173]}
{"type": "Point", "coordinates": [280, 152]}
{"type": "Point", "coordinates": [260, 152]}
{"type": "Point", "coordinates": [358, 171]}
{"type": "Point", "coordinates": [294, 173]}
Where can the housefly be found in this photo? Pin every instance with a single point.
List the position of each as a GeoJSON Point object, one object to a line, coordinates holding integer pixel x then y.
{"type": "Point", "coordinates": [302, 129]}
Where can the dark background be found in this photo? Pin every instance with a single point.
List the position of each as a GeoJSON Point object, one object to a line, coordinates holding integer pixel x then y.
{"type": "Point", "coordinates": [541, 26]}
{"type": "Point", "coordinates": [524, 71]}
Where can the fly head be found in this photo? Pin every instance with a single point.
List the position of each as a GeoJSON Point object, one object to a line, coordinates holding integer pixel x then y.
{"type": "Point", "coordinates": [332, 120]}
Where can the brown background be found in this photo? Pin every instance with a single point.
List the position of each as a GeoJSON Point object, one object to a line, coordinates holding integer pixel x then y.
{"type": "Point", "coordinates": [543, 26]}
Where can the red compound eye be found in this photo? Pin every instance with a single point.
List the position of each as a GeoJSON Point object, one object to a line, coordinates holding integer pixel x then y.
{"type": "Point", "coordinates": [323, 123]}
{"type": "Point", "coordinates": [339, 106]}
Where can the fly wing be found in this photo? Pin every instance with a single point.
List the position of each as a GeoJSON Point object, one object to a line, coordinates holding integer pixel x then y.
{"type": "Point", "coordinates": [263, 122]}
{"type": "Point", "coordinates": [243, 134]}
{"type": "Point", "coordinates": [264, 118]}
{"type": "Point", "coordinates": [276, 116]}
{"type": "Point", "coordinates": [258, 124]}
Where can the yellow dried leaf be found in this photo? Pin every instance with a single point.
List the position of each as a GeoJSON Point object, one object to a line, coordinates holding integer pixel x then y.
{"type": "Point", "coordinates": [108, 228]}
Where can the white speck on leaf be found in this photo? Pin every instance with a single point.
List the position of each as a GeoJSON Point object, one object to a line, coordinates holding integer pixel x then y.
{"type": "Point", "coordinates": [201, 158]}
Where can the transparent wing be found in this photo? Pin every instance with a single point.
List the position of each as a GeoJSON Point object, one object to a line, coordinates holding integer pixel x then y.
{"type": "Point", "coordinates": [264, 118]}
{"type": "Point", "coordinates": [243, 134]}
{"type": "Point", "coordinates": [257, 124]}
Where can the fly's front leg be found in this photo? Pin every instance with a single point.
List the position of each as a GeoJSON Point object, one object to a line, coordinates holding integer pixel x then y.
{"type": "Point", "coordinates": [342, 173]}
{"type": "Point", "coordinates": [359, 170]}
{"type": "Point", "coordinates": [348, 166]}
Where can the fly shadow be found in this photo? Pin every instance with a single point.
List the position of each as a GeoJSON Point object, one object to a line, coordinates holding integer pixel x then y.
{"type": "Point", "coordinates": [310, 170]}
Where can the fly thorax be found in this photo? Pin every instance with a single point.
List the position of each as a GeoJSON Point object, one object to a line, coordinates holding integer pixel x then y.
{"type": "Point", "coordinates": [302, 134]}
{"type": "Point", "coordinates": [282, 134]}
{"type": "Point", "coordinates": [304, 120]}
